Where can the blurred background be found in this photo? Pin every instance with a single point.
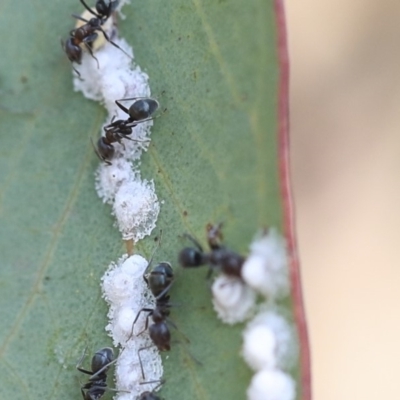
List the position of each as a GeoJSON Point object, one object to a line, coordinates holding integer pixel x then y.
{"type": "Point", "coordinates": [345, 100]}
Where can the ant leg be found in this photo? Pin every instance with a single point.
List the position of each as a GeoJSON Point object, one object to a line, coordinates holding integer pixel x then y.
{"type": "Point", "coordinates": [136, 140]}
{"type": "Point", "coordinates": [164, 291]}
{"type": "Point", "coordinates": [143, 309]}
{"type": "Point", "coordinates": [89, 9]}
{"type": "Point", "coordinates": [80, 19]}
{"type": "Point", "coordinates": [103, 368]}
{"type": "Point", "coordinates": [159, 381]}
{"type": "Point", "coordinates": [105, 388]}
{"type": "Point", "coordinates": [140, 360]}
{"type": "Point", "coordinates": [134, 123]}
{"type": "Point", "coordinates": [152, 256]}
{"type": "Point", "coordinates": [110, 41]}
{"type": "Point", "coordinates": [126, 136]}
{"type": "Point", "coordinates": [145, 271]}
{"type": "Point", "coordinates": [170, 322]}
{"type": "Point", "coordinates": [141, 97]}
{"type": "Point", "coordinates": [87, 41]}
{"type": "Point", "coordinates": [155, 388]}
{"type": "Point", "coordinates": [89, 49]}
{"type": "Point", "coordinates": [84, 371]}
{"type": "Point", "coordinates": [79, 363]}
{"type": "Point", "coordinates": [124, 109]}
{"type": "Point", "coordinates": [146, 325]}
{"type": "Point", "coordinates": [134, 98]}
{"type": "Point", "coordinates": [79, 74]}
{"type": "Point", "coordinates": [194, 241]}
{"type": "Point", "coordinates": [149, 310]}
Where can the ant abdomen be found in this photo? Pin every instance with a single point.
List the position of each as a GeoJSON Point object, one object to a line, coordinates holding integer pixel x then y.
{"type": "Point", "coordinates": [190, 257]}
{"type": "Point", "coordinates": [143, 108]}
{"type": "Point", "coordinates": [160, 335]}
{"type": "Point", "coordinates": [105, 10]}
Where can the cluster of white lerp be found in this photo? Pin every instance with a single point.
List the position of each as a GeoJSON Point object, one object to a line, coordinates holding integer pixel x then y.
{"type": "Point", "coordinates": [270, 349]}
{"type": "Point", "coordinates": [265, 271]}
{"type": "Point", "coordinates": [135, 205]}
{"type": "Point", "coordinates": [112, 77]}
{"type": "Point", "coordinates": [269, 340]}
{"type": "Point", "coordinates": [126, 293]}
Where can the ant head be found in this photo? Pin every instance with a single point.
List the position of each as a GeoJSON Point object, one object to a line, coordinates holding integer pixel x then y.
{"type": "Point", "coordinates": [105, 150]}
{"type": "Point", "coordinates": [74, 52]}
{"type": "Point", "coordinates": [191, 257]}
{"type": "Point", "coordinates": [160, 278]}
{"type": "Point", "coordinates": [164, 269]}
{"type": "Point", "coordinates": [214, 235]}
{"type": "Point", "coordinates": [142, 109]}
{"type": "Point", "coordinates": [105, 10]}
{"type": "Point", "coordinates": [101, 358]}
{"type": "Point", "coordinates": [160, 335]}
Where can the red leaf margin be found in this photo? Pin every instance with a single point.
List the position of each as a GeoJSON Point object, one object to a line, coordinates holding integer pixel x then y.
{"type": "Point", "coordinates": [288, 206]}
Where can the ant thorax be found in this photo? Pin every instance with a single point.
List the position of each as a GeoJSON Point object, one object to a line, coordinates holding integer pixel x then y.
{"type": "Point", "coordinates": [107, 26]}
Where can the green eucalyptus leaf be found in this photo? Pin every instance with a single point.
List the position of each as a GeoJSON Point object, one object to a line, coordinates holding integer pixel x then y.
{"type": "Point", "coordinates": [214, 157]}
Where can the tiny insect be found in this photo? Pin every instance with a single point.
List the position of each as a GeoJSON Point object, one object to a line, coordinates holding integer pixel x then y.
{"type": "Point", "coordinates": [86, 34]}
{"type": "Point", "coordinates": [159, 281]}
{"type": "Point", "coordinates": [97, 385]}
{"type": "Point", "coordinates": [219, 258]}
{"type": "Point", "coordinates": [140, 110]}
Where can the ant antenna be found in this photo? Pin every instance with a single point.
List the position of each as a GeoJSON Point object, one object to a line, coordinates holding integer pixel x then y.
{"type": "Point", "coordinates": [154, 252]}
{"type": "Point", "coordinates": [89, 9]}
{"type": "Point", "coordinates": [193, 240]}
{"type": "Point", "coordinates": [114, 44]}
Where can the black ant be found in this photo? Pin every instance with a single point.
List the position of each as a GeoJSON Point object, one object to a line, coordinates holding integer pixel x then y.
{"type": "Point", "coordinates": [139, 111]}
{"type": "Point", "coordinates": [221, 258]}
{"type": "Point", "coordinates": [159, 280]}
{"type": "Point", "coordinates": [97, 385]}
{"type": "Point", "coordinates": [88, 33]}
